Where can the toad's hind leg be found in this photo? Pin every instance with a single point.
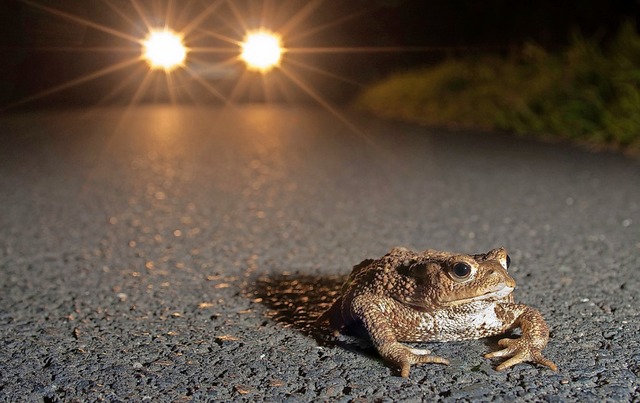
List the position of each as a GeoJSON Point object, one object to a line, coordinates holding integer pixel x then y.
{"type": "Point", "coordinates": [384, 338]}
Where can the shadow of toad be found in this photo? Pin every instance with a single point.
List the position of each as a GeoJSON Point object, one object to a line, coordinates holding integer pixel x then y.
{"type": "Point", "coordinates": [297, 301]}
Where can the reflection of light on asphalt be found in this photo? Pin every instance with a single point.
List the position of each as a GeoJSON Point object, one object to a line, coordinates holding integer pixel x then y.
{"type": "Point", "coordinates": [261, 51]}
{"type": "Point", "coordinates": [164, 50]}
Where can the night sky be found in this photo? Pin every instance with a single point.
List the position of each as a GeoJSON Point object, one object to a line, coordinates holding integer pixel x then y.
{"type": "Point", "coordinates": [48, 43]}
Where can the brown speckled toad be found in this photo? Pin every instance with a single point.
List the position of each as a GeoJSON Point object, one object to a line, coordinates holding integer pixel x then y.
{"type": "Point", "coordinates": [438, 296]}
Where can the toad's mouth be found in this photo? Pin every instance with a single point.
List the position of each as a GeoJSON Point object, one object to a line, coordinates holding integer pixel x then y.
{"type": "Point", "coordinates": [490, 295]}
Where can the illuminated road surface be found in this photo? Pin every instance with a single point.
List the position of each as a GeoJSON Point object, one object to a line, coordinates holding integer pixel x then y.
{"type": "Point", "coordinates": [180, 253]}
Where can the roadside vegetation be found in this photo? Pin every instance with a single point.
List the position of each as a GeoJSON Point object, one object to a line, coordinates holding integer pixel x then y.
{"type": "Point", "coordinates": [589, 93]}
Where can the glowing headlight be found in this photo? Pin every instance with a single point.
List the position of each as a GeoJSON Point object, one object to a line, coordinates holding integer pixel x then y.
{"type": "Point", "coordinates": [261, 51]}
{"type": "Point", "coordinates": [164, 50]}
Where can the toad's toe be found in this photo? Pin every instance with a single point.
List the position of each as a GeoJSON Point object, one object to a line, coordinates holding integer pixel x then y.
{"type": "Point", "coordinates": [520, 351]}
{"type": "Point", "coordinates": [403, 357]}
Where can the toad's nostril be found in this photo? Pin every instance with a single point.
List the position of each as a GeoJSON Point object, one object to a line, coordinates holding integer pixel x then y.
{"type": "Point", "coordinates": [510, 282]}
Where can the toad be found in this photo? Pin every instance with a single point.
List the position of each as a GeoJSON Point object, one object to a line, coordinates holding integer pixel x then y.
{"type": "Point", "coordinates": [408, 296]}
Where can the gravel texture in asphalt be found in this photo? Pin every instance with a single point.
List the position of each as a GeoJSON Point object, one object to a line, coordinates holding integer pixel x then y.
{"type": "Point", "coordinates": [181, 253]}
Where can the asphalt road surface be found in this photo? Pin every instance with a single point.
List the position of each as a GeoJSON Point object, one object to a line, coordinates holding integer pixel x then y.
{"type": "Point", "coordinates": [182, 253]}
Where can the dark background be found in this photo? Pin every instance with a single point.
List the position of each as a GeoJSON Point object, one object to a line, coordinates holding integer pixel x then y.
{"type": "Point", "coordinates": [41, 51]}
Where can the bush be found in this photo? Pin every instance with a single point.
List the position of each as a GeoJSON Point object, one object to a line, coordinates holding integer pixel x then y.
{"type": "Point", "coordinates": [587, 93]}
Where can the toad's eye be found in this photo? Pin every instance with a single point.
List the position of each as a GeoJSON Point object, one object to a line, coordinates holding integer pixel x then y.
{"type": "Point", "coordinates": [460, 271]}
{"type": "Point", "coordinates": [508, 261]}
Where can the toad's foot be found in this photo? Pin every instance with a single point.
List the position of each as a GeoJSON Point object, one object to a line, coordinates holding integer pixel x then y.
{"type": "Point", "coordinates": [520, 350]}
{"type": "Point", "coordinates": [402, 357]}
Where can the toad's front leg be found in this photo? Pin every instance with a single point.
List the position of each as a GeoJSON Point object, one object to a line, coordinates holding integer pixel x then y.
{"type": "Point", "coordinates": [527, 348]}
{"type": "Point", "coordinates": [379, 322]}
